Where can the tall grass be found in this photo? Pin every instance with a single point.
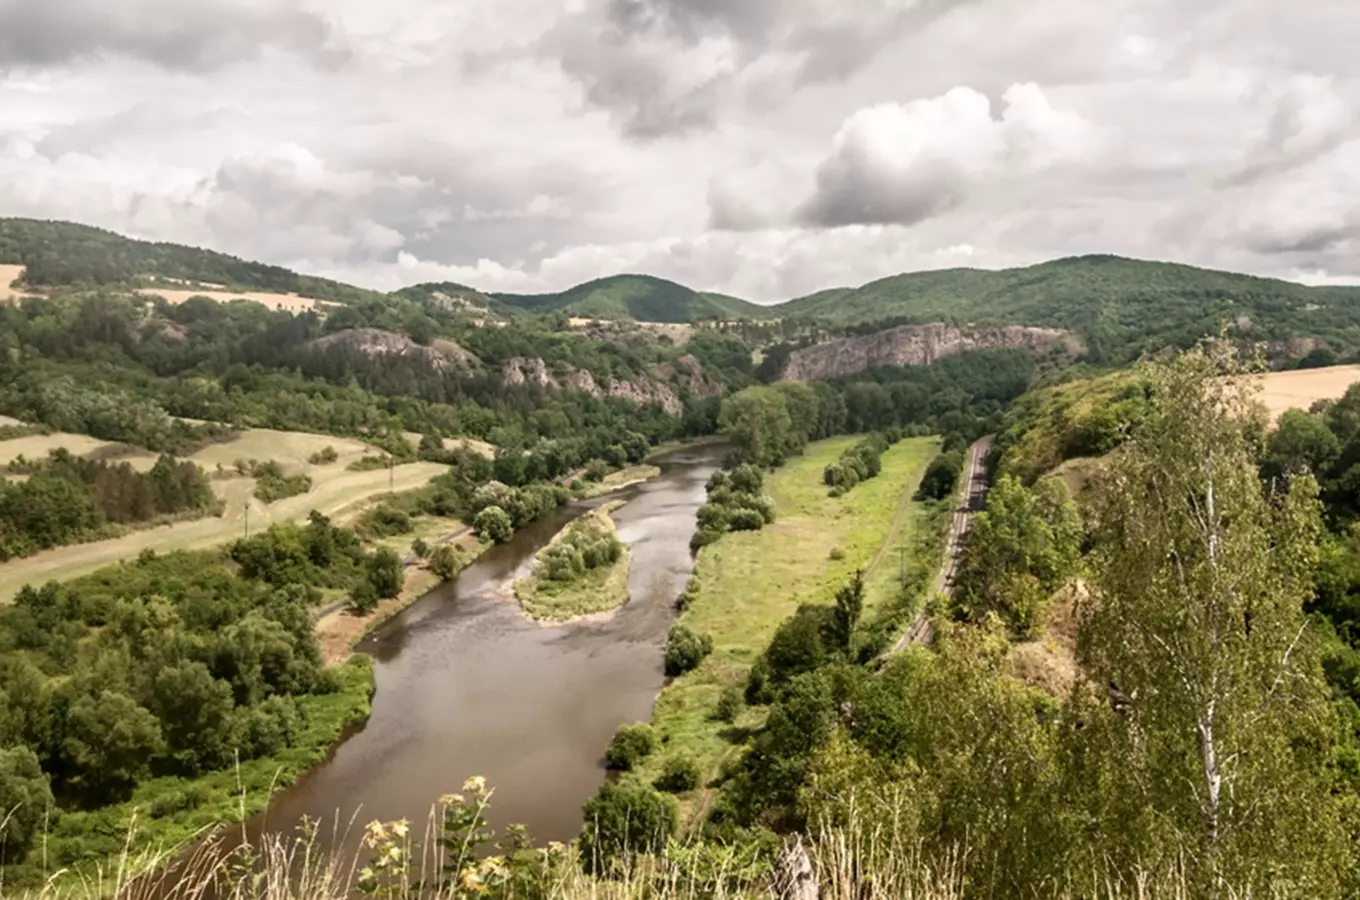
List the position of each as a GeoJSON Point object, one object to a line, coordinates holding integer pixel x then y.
{"type": "Point", "coordinates": [393, 862]}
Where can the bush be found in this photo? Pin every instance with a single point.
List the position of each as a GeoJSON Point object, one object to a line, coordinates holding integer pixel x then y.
{"type": "Point", "coordinates": [744, 519]}
{"type": "Point", "coordinates": [624, 819]}
{"type": "Point", "coordinates": [631, 745]}
{"type": "Point", "coordinates": [729, 704]}
{"type": "Point", "coordinates": [494, 524]}
{"type": "Point", "coordinates": [446, 562]}
{"type": "Point", "coordinates": [363, 598]}
{"type": "Point", "coordinates": [703, 538]}
{"type": "Point", "coordinates": [385, 572]}
{"type": "Point", "coordinates": [685, 650]}
{"type": "Point", "coordinates": [679, 773]}
{"type": "Point", "coordinates": [836, 554]}
{"type": "Point", "coordinates": [420, 548]}
{"type": "Point", "coordinates": [596, 470]}
{"type": "Point", "coordinates": [942, 475]}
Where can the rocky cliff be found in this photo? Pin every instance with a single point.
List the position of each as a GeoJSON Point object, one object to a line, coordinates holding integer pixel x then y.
{"type": "Point", "coordinates": [641, 391]}
{"type": "Point", "coordinates": [915, 345]}
{"type": "Point", "coordinates": [441, 354]}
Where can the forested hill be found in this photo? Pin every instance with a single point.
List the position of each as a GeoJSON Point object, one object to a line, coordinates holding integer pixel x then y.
{"type": "Point", "coordinates": [57, 254]}
{"type": "Point", "coordinates": [642, 298]}
{"type": "Point", "coordinates": [1119, 306]}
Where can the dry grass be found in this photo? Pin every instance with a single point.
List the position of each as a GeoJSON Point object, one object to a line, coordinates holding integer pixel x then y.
{"type": "Point", "coordinates": [289, 302]}
{"type": "Point", "coordinates": [336, 492]}
{"type": "Point", "coordinates": [8, 276]}
{"type": "Point", "coordinates": [455, 443]}
{"type": "Point", "coordinates": [1299, 389]}
{"type": "Point", "coordinates": [37, 446]}
{"type": "Point", "coordinates": [1050, 662]}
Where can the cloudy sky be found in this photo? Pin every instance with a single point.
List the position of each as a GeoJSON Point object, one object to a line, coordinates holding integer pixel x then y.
{"type": "Point", "coordinates": [767, 148]}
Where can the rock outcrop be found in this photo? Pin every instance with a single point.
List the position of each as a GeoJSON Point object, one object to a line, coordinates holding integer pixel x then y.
{"type": "Point", "coordinates": [916, 345]}
{"type": "Point", "coordinates": [441, 354]}
{"type": "Point", "coordinates": [642, 391]}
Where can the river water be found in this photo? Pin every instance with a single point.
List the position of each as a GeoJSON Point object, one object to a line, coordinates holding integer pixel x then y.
{"type": "Point", "coordinates": [466, 685]}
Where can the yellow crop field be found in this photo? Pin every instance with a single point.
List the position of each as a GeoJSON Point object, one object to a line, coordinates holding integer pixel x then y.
{"type": "Point", "coordinates": [290, 302]}
{"type": "Point", "coordinates": [1300, 388]}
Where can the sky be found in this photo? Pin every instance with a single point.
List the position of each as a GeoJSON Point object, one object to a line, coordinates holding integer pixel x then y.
{"type": "Point", "coordinates": [763, 148]}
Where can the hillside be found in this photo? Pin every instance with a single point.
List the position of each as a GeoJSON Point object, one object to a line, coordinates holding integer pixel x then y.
{"type": "Point", "coordinates": [1119, 306]}
{"type": "Point", "coordinates": [57, 254]}
{"type": "Point", "coordinates": [639, 297]}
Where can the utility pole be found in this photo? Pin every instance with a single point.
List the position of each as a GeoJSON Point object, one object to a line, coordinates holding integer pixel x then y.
{"type": "Point", "coordinates": [391, 473]}
{"type": "Point", "coordinates": [247, 517]}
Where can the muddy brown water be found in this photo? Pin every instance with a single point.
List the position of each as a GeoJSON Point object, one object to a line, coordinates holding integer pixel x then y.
{"type": "Point", "coordinates": [466, 685]}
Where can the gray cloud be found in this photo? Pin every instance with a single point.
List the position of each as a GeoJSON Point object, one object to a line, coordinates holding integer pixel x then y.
{"type": "Point", "coordinates": [199, 35]}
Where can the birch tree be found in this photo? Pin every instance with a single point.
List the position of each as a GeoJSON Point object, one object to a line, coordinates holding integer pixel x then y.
{"type": "Point", "coordinates": [1219, 729]}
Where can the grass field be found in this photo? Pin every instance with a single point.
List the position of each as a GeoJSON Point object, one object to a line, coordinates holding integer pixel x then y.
{"type": "Point", "coordinates": [1300, 388]}
{"type": "Point", "coordinates": [336, 492]}
{"type": "Point", "coordinates": [9, 275]}
{"type": "Point", "coordinates": [750, 582]}
{"type": "Point", "coordinates": [597, 591]}
{"type": "Point", "coordinates": [37, 446]}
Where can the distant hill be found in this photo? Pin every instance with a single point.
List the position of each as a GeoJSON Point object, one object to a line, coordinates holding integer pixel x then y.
{"type": "Point", "coordinates": [57, 254]}
{"type": "Point", "coordinates": [642, 298]}
{"type": "Point", "coordinates": [1119, 306]}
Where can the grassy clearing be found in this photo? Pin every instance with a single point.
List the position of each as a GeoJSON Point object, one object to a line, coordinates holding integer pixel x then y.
{"type": "Point", "coordinates": [275, 301]}
{"type": "Point", "coordinates": [171, 811]}
{"type": "Point", "coordinates": [618, 480]}
{"type": "Point", "coordinates": [599, 590]}
{"type": "Point", "coordinates": [750, 582]}
{"type": "Point", "coordinates": [37, 446]}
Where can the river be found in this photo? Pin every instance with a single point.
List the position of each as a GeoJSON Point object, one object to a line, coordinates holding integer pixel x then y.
{"type": "Point", "coordinates": [466, 685]}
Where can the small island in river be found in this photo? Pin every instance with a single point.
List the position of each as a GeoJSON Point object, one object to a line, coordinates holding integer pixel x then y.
{"type": "Point", "coordinates": [583, 571]}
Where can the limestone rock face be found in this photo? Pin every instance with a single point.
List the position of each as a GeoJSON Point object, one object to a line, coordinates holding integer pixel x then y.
{"type": "Point", "coordinates": [642, 391]}
{"type": "Point", "coordinates": [441, 354]}
{"type": "Point", "coordinates": [918, 345]}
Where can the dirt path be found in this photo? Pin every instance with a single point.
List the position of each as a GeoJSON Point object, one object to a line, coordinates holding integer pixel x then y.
{"type": "Point", "coordinates": [971, 498]}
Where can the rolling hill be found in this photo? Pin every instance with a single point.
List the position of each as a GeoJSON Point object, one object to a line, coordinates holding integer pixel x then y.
{"type": "Point", "coordinates": [1119, 306]}
{"type": "Point", "coordinates": [642, 298]}
{"type": "Point", "coordinates": [57, 254]}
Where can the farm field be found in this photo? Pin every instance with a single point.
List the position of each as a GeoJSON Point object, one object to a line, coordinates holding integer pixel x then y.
{"type": "Point", "coordinates": [289, 302]}
{"type": "Point", "coordinates": [453, 443]}
{"type": "Point", "coordinates": [750, 582]}
{"type": "Point", "coordinates": [336, 492]}
{"type": "Point", "coordinates": [1300, 388]}
{"type": "Point", "coordinates": [8, 290]}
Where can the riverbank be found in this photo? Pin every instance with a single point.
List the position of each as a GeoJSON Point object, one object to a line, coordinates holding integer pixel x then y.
{"type": "Point", "coordinates": [595, 592]}
{"type": "Point", "coordinates": [747, 583]}
{"type": "Point", "coordinates": [617, 481]}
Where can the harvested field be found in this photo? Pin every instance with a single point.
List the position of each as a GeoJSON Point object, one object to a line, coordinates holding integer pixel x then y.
{"type": "Point", "coordinates": [453, 443]}
{"type": "Point", "coordinates": [37, 446]}
{"type": "Point", "coordinates": [1299, 389]}
{"type": "Point", "coordinates": [9, 275]}
{"type": "Point", "coordinates": [290, 302]}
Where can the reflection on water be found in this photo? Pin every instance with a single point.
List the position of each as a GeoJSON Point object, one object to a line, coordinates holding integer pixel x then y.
{"type": "Point", "coordinates": [468, 686]}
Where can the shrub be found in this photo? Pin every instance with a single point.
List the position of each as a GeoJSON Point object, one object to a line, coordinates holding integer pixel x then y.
{"type": "Point", "coordinates": [685, 650]}
{"type": "Point", "coordinates": [729, 704]}
{"type": "Point", "coordinates": [744, 519]}
{"type": "Point", "coordinates": [596, 470]}
{"type": "Point", "coordinates": [385, 572]}
{"type": "Point", "coordinates": [942, 475]}
{"type": "Point", "coordinates": [679, 773]}
{"type": "Point", "coordinates": [324, 456]}
{"type": "Point", "coordinates": [623, 819]}
{"type": "Point", "coordinates": [703, 537]}
{"type": "Point", "coordinates": [363, 598]}
{"type": "Point", "coordinates": [420, 548]}
{"type": "Point", "coordinates": [836, 554]}
{"type": "Point", "coordinates": [446, 562]}
{"type": "Point", "coordinates": [494, 524]}
{"type": "Point", "coordinates": [631, 745]}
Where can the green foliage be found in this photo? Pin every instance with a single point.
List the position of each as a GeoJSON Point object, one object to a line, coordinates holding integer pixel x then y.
{"type": "Point", "coordinates": [446, 562]}
{"type": "Point", "coordinates": [383, 569]}
{"type": "Point", "coordinates": [583, 547]}
{"type": "Point", "coordinates": [68, 500]}
{"type": "Point", "coordinates": [735, 504]}
{"type": "Point", "coordinates": [942, 475]}
{"type": "Point", "coordinates": [1017, 553]}
{"type": "Point", "coordinates": [271, 487]}
{"type": "Point", "coordinates": [679, 773]}
{"type": "Point", "coordinates": [324, 457]}
{"type": "Point", "coordinates": [858, 463]}
{"type": "Point", "coordinates": [631, 744]}
{"type": "Point", "coordinates": [623, 820]}
{"type": "Point", "coordinates": [494, 524]}
{"type": "Point", "coordinates": [26, 797]}
{"type": "Point", "coordinates": [420, 548]}
{"type": "Point", "coordinates": [730, 704]}
{"type": "Point", "coordinates": [642, 298]}
{"type": "Point", "coordinates": [685, 650]}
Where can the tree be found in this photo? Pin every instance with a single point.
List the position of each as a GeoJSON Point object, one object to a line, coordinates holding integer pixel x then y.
{"type": "Point", "coordinates": [1196, 624]}
{"type": "Point", "coordinates": [631, 744]}
{"type": "Point", "coordinates": [622, 820]}
{"type": "Point", "coordinates": [108, 744]}
{"type": "Point", "coordinates": [384, 571]}
{"type": "Point", "coordinates": [420, 549]}
{"type": "Point", "coordinates": [849, 605]}
{"type": "Point", "coordinates": [195, 714]}
{"type": "Point", "coordinates": [445, 561]}
{"type": "Point", "coordinates": [942, 475]}
{"type": "Point", "coordinates": [25, 798]}
{"type": "Point", "coordinates": [1300, 442]}
{"type": "Point", "coordinates": [494, 524]}
{"type": "Point", "coordinates": [757, 420]}
{"type": "Point", "coordinates": [685, 650]}
{"type": "Point", "coordinates": [680, 772]}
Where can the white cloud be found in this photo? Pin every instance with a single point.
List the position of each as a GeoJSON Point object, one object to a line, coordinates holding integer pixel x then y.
{"type": "Point", "coordinates": [762, 148]}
